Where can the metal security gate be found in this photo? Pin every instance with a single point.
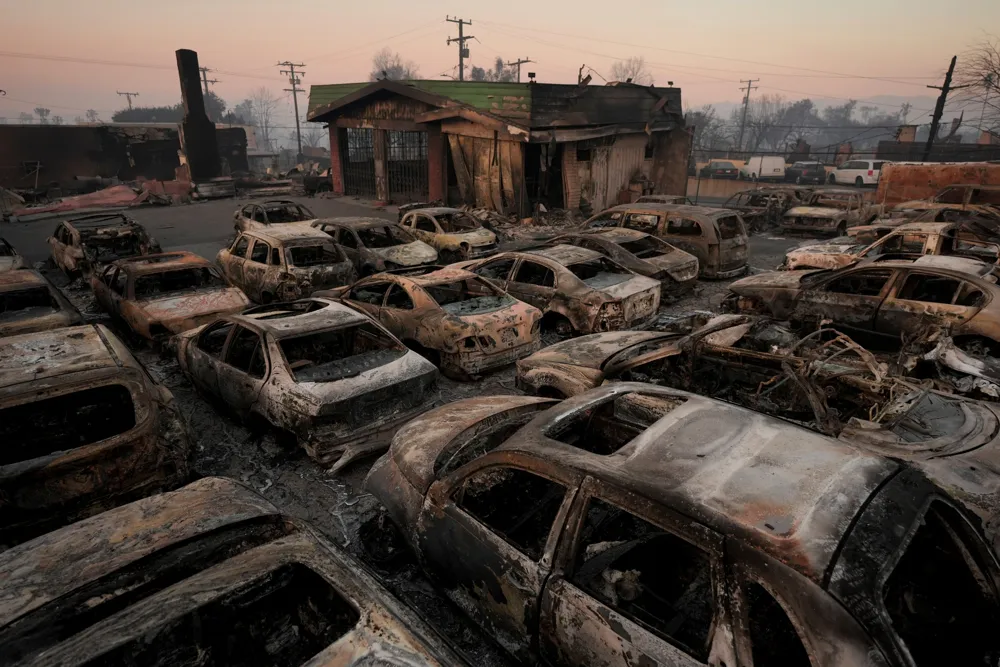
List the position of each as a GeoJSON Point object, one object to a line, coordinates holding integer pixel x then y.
{"type": "Point", "coordinates": [406, 166]}
{"type": "Point", "coordinates": [357, 158]}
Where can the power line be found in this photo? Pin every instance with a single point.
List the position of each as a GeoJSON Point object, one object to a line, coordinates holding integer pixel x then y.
{"type": "Point", "coordinates": [205, 80]}
{"type": "Point", "coordinates": [518, 63]}
{"type": "Point", "coordinates": [746, 105]}
{"type": "Point", "coordinates": [294, 79]}
{"type": "Point", "coordinates": [463, 51]}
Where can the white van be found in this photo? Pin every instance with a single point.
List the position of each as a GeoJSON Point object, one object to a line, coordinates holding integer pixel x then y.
{"type": "Point", "coordinates": [764, 168]}
{"type": "Point", "coordinates": [857, 172]}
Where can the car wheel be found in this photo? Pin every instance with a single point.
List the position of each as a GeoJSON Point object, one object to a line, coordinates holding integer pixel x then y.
{"type": "Point", "coordinates": [859, 182]}
{"type": "Point", "coordinates": [833, 179]}
{"type": "Point", "coordinates": [842, 229]}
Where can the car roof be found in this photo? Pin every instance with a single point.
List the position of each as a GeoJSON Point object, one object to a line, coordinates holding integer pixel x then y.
{"type": "Point", "coordinates": [285, 322]}
{"type": "Point", "coordinates": [20, 279]}
{"type": "Point", "coordinates": [929, 227]}
{"type": "Point", "coordinates": [791, 492]}
{"type": "Point", "coordinates": [436, 210]}
{"type": "Point", "coordinates": [162, 262]}
{"type": "Point", "coordinates": [565, 254]}
{"type": "Point", "coordinates": [100, 221]}
{"type": "Point", "coordinates": [356, 222]}
{"type": "Point", "coordinates": [291, 232]}
{"type": "Point", "coordinates": [943, 265]}
{"type": "Point", "coordinates": [696, 212]}
{"type": "Point", "coordinates": [57, 353]}
{"type": "Point", "coordinates": [617, 234]}
{"type": "Point", "coordinates": [276, 203]}
{"type": "Point", "coordinates": [440, 277]}
{"type": "Point", "coordinates": [963, 264]}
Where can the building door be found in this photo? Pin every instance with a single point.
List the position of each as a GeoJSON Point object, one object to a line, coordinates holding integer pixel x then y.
{"type": "Point", "coordinates": [406, 166]}
{"type": "Point", "coordinates": [358, 161]}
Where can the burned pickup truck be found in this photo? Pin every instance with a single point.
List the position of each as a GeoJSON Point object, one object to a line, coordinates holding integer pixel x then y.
{"type": "Point", "coordinates": [80, 245]}
{"type": "Point", "coordinates": [83, 428]}
{"type": "Point", "coordinates": [640, 520]}
{"type": "Point", "coordinates": [211, 575]}
{"type": "Point", "coordinates": [334, 379]}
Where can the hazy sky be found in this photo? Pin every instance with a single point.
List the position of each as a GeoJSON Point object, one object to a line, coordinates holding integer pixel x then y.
{"type": "Point", "coordinates": [795, 48]}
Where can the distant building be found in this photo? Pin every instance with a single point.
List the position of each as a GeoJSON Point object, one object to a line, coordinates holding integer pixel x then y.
{"type": "Point", "coordinates": [505, 146]}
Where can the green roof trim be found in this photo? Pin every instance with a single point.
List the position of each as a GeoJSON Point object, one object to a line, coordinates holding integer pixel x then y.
{"type": "Point", "coordinates": [512, 100]}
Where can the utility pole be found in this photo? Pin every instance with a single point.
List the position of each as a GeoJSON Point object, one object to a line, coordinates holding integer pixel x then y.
{"type": "Point", "coordinates": [205, 80]}
{"type": "Point", "coordinates": [129, 96]}
{"type": "Point", "coordinates": [939, 107]}
{"type": "Point", "coordinates": [579, 75]}
{"type": "Point", "coordinates": [463, 52]}
{"type": "Point", "coordinates": [518, 63]}
{"type": "Point", "coordinates": [746, 105]}
{"type": "Point", "coordinates": [294, 90]}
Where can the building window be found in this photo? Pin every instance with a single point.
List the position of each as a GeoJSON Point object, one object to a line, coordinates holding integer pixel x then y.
{"type": "Point", "coordinates": [648, 154]}
{"type": "Point", "coordinates": [583, 155]}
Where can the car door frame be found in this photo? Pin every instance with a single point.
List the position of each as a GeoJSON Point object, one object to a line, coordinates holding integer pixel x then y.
{"type": "Point", "coordinates": [235, 384]}
{"type": "Point", "coordinates": [258, 281]}
{"type": "Point", "coordinates": [530, 298]}
{"type": "Point", "coordinates": [232, 268]}
{"type": "Point", "coordinates": [370, 309]}
{"type": "Point", "coordinates": [496, 259]}
{"type": "Point", "coordinates": [403, 328]}
{"type": "Point", "coordinates": [846, 327]}
{"type": "Point", "coordinates": [102, 288]}
{"type": "Point", "coordinates": [559, 587]}
{"type": "Point", "coordinates": [199, 357]}
{"type": "Point", "coordinates": [507, 570]}
{"type": "Point", "coordinates": [932, 310]}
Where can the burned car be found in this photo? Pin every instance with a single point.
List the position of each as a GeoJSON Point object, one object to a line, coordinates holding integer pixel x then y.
{"type": "Point", "coordinates": [29, 303]}
{"type": "Point", "coordinates": [157, 296]}
{"type": "Point", "coordinates": [764, 207]}
{"type": "Point", "coordinates": [10, 259]}
{"type": "Point", "coordinates": [907, 241]}
{"type": "Point", "coordinates": [641, 253]}
{"type": "Point", "coordinates": [80, 245]}
{"type": "Point", "coordinates": [459, 321]}
{"type": "Point", "coordinates": [882, 301]}
{"type": "Point", "coordinates": [210, 575]}
{"type": "Point", "coordinates": [284, 263]}
{"type": "Point", "coordinates": [333, 378]}
{"type": "Point", "coordinates": [83, 428]}
{"type": "Point", "coordinates": [376, 245]}
{"type": "Point", "coordinates": [270, 212]}
{"type": "Point", "coordinates": [830, 211]}
{"type": "Point", "coordinates": [455, 234]}
{"type": "Point", "coordinates": [641, 520]}
{"type": "Point", "coordinates": [716, 236]}
{"type": "Point", "coordinates": [662, 199]}
{"type": "Point", "coordinates": [578, 290]}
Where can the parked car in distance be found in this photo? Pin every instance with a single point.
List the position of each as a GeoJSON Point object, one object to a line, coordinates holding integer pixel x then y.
{"type": "Point", "coordinates": [462, 323]}
{"type": "Point", "coordinates": [720, 169]}
{"type": "Point", "coordinates": [831, 211]}
{"type": "Point", "coordinates": [10, 259]}
{"type": "Point", "coordinates": [578, 290]}
{"type": "Point", "coordinates": [83, 428]}
{"type": "Point", "coordinates": [806, 172]}
{"type": "Point", "coordinates": [30, 303]}
{"type": "Point", "coordinates": [763, 206]}
{"type": "Point", "coordinates": [284, 263]}
{"type": "Point", "coordinates": [157, 296]}
{"type": "Point", "coordinates": [641, 253]}
{"type": "Point", "coordinates": [210, 575]}
{"type": "Point", "coordinates": [764, 168]}
{"type": "Point", "coordinates": [636, 518]}
{"type": "Point", "coordinates": [907, 241]}
{"type": "Point", "coordinates": [662, 199]}
{"type": "Point", "coordinates": [271, 212]}
{"type": "Point", "coordinates": [81, 244]}
{"type": "Point", "coordinates": [858, 173]}
{"type": "Point", "coordinates": [375, 245]}
{"type": "Point", "coordinates": [455, 234]}
{"type": "Point", "coordinates": [716, 236]}
{"type": "Point", "coordinates": [330, 376]}
{"type": "Point", "coordinates": [882, 300]}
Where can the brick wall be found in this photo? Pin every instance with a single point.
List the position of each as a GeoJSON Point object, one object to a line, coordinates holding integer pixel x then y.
{"type": "Point", "coordinates": [336, 169]}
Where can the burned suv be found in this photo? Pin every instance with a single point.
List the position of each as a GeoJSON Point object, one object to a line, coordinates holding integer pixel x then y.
{"type": "Point", "coordinates": [80, 245]}
{"type": "Point", "coordinates": [636, 520]}
{"type": "Point", "coordinates": [83, 428]}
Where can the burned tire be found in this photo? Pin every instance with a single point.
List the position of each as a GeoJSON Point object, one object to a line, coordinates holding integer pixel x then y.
{"type": "Point", "coordinates": [842, 229]}
{"type": "Point", "coordinates": [557, 324]}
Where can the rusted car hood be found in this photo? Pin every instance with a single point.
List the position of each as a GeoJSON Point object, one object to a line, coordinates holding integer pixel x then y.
{"type": "Point", "coordinates": [326, 275]}
{"type": "Point", "coordinates": [627, 288]}
{"type": "Point", "coordinates": [814, 212]}
{"type": "Point", "coordinates": [771, 280]}
{"type": "Point", "coordinates": [824, 255]}
{"type": "Point", "coordinates": [679, 265]}
{"type": "Point", "coordinates": [594, 350]}
{"type": "Point", "coordinates": [322, 396]}
{"type": "Point", "coordinates": [172, 312]}
{"type": "Point", "coordinates": [501, 315]}
{"type": "Point", "coordinates": [410, 254]}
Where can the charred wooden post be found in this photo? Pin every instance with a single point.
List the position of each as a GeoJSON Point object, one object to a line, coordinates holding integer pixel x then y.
{"type": "Point", "coordinates": [198, 139]}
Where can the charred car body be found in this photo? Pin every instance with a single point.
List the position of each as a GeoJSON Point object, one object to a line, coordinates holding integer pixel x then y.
{"type": "Point", "coordinates": [375, 245]}
{"type": "Point", "coordinates": [577, 289]}
{"type": "Point", "coordinates": [10, 258]}
{"type": "Point", "coordinates": [830, 211]}
{"type": "Point", "coordinates": [639, 252]}
{"type": "Point", "coordinates": [635, 519]}
{"type": "Point", "coordinates": [459, 321]}
{"type": "Point", "coordinates": [157, 296]}
{"type": "Point", "coordinates": [314, 368]}
{"type": "Point", "coordinates": [764, 207]}
{"type": "Point", "coordinates": [29, 303]}
{"type": "Point", "coordinates": [209, 575]}
{"type": "Point", "coordinates": [284, 263]}
{"type": "Point", "coordinates": [82, 428]}
{"type": "Point", "coordinates": [270, 212]}
{"type": "Point", "coordinates": [716, 236]}
{"type": "Point", "coordinates": [80, 245]}
{"type": "Point", "coordinates": [455, 234]}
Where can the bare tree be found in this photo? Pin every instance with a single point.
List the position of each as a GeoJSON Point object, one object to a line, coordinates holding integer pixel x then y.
{"type": "Point", "coordinates": [57, 120]}
{"type": "Point", "coordinates": [710, 132]}
{"type": "Point", "coordinates": [261, 104]}
{"type": "Point", "coordinates": [979, 69]}
{"type": "Point", "coordinates": [387, 64]}
{"type": "Point", "coordinates": [78, 120]}
{"type": "Point", "coordinates": [313, 136]}
{"type": "Point", "coordinates": [43, 115]}
{"type": "Point", "coordinates": [634, 69]}
{"type": "Point", "coordinates": [92, 116]}
{"type": "Point", "coordinates": [25, 117]}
